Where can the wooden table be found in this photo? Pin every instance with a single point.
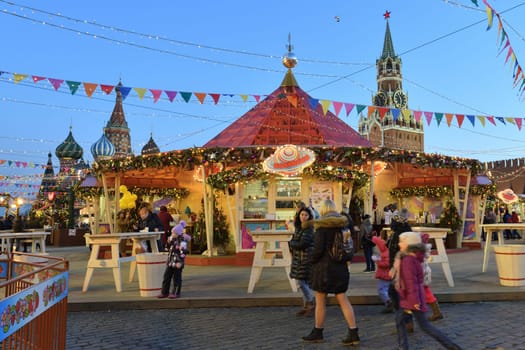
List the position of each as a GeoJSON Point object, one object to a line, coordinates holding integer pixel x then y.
{"type": "Point", "coordinates": [113, 240]}
{"type": "Point", "coordinates": [37, 238]}
{"type": "Point", "coordinates": [269, 244]}
{"type": "Point", "coordinates": [489, 229]}
{"type": "Point", "coordinates": [438, 234]}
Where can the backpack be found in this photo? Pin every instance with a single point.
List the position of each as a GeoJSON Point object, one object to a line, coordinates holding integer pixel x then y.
{"type": "Point", "coordinates": [341, 251]}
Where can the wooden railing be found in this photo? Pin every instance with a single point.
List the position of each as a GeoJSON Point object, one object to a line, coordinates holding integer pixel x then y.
{"type": "Point", "coordinates": [33, 304]}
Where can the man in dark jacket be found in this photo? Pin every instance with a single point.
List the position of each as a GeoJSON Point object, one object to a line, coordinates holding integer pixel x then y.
{"type": "Point", "coordinates": [152, 222]}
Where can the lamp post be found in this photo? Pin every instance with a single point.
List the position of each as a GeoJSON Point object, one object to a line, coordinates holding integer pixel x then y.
{"type": "Point", "coordinates": [17, 223]}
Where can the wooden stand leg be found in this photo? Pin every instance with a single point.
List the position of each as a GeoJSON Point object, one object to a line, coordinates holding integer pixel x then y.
{"type": "Point", "coordinates": [488, 242]}
{"type": "Point", "coordinates": [293, 283]}
{"type": "Point", "coordinates": [87, 279]}
{"type": "Point", "coordinates": [116, 277]}
{"type": "Point", "coordinates": [254, 278]}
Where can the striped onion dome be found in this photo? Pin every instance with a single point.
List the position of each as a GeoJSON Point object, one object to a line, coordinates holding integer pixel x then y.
{"type": "Point", "coordinates": [103, 148]}
{"type": "Point", "coordinates": [150, 147]}
{"type": "Point", "coordinates": [69, 149]}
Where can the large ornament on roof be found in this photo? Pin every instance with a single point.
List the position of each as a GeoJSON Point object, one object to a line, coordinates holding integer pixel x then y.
{"type": "Point", "coordinates": [508, 196]}
{"type": "Point", "coordinates": [289, 59]}
{"type": "Point", "coordinates": [289, 160]}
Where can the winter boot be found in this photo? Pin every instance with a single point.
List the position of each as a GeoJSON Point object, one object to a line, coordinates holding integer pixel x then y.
{"type": "Point", "coordinates": [352, 337]}
{"type": "Point", "coordinates": [310, 309]}
{"type": "Point", "coordinates": [436, 312]}
{"type": "Point", "coordinates": [389, 308]}
{"type": "Point", "coordinates": [315, 336]}
{"type": "Point", "coordinates": [301, 312]}
{"type": "Point", "coordinates": [410, 326]}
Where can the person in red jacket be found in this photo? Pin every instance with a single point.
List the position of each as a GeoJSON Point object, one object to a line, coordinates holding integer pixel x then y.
{"type": "Point", "coordinates": [382, 273]}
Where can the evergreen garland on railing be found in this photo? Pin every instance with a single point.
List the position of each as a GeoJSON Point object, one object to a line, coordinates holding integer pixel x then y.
{"type": "Point", "coordinates": [439, 191]}
{"type": "Point", "coordinates": [94, 192]}
{"type": "Point", "coordinates": [346, 156]}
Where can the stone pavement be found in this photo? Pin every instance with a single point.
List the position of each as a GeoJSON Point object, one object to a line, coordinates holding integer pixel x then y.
{"type": "Point", "coordinates": [475, 326]}
{"type": "Point", "coordinates": [226, 286]}
{"type": "Point", "coordinates": [216, 312]}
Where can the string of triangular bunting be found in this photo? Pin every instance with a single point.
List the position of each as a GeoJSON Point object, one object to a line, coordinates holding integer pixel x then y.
{"type": "Point", "coordinates": [327, 105]}
{"type": "Point", "coordinates": [504, 45]}
{"type": "Point", "coordinates": [20, 164]}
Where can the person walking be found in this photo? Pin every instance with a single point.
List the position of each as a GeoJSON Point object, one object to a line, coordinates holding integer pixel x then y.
{"type": "Point", "coordinates": [329, 276]}
{"type": "Point", "coordinates": [382, 273]}
{"type": "Point", "coordinates": [398, 225]}
{"type": "Point", "coordinates": [409, 284]}
{"type": "Point", "coordinates": [301, 246]}
{"type": "Point", "coordinates": [366, 242]}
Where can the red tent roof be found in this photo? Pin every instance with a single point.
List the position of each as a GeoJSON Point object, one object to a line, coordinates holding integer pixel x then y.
{"type": "Point", "coordinates": [287, 117]}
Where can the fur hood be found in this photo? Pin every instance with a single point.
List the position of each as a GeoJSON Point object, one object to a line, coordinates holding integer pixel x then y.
{"type": "Point", "coordinates": [331, 220]}
{"type": "Point", "coordinates": [307, 224]}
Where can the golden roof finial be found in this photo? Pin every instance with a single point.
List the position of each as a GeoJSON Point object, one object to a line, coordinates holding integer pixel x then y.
{"type": "Point", "coordinates": [289, 59]}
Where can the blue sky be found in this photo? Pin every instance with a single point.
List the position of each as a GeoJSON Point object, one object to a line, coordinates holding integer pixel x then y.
{"type": "Point", "coordinates": [450, 65]}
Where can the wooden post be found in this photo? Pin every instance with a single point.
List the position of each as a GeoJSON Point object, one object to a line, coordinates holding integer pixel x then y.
{"type": "Point", "coordinates": [371, 194]}
{"type": "Point", "coordinates": [233, 222]}
{"type": "Point", "coordinates": [117, 201]}
{"type": "Point", "coordinates": [209, 229]}
{"type": "Point", "coordinates": [107, 204]}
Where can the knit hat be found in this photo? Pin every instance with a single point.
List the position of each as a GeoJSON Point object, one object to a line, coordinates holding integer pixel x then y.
{"type": "Point", "coordinates": [178, 229]}
{"type": "Point", "coordinates": [183, 223]}
{"type": "Point", "coordinates": [410, 238]}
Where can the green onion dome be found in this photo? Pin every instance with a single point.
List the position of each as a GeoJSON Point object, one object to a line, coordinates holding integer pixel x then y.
{"type": "Point", "coordinates": [69, 149]}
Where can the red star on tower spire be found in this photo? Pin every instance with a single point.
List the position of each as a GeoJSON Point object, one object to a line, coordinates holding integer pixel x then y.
{"type": "Point", "coordinates": [386, 15]}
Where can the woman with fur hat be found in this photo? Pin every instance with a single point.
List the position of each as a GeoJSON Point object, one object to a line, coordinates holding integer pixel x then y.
{"type": "Point", "coordinates": [409, 281]}
{"type": "Point", "coordinates": [301, 246]}
{"type": "Point", "coordinates": [329, 276]}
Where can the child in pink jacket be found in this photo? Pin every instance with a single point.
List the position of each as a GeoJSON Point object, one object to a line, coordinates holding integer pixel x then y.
{"type": "Point", "coordinates": [408, 273]}
{"type": "Point", "coordinates": [382, 273]}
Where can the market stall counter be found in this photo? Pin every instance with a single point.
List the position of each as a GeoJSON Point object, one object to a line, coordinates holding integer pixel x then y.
{"type": "Point", "coordinates": [271, 250]}
{"type": "Point", "coordinates": [113, 240]}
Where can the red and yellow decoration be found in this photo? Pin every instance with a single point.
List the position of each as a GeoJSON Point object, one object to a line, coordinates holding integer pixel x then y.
{"type": "Point", "coordinates": [289, 160]}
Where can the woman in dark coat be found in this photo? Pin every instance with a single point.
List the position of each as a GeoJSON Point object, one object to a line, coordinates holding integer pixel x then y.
{"type": "Point", "coordinates": [301, 246]}
{"type": "Point", "coordinates": [329, 276]}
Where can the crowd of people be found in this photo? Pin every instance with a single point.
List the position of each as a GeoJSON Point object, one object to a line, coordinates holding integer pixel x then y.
{"type": "Point", "coordinates": [400, 264]}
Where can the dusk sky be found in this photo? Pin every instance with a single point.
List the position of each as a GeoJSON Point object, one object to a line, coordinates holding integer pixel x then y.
{"type": "Point", "coordinates": [234, 49]}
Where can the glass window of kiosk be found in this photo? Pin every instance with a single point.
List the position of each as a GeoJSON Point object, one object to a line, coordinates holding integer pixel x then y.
{"type": "Point", "coordinates": [256, 199]}
{"type": "Point", "coordinates": [288, 192]}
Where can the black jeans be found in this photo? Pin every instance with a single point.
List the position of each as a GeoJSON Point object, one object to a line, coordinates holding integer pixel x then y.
{"type": "Point", "coordinates": [368, 251]}
{"type": "Point", "coordinates": [175, 274]}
